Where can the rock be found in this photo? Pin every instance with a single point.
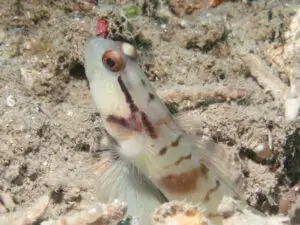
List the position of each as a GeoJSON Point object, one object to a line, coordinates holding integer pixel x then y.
{"type": "Point", "coordinates": [179, 212]}
{"type": "Point", "coordinates": [235, 212]}
{"type": "Point", "coordinates": [183, 7]}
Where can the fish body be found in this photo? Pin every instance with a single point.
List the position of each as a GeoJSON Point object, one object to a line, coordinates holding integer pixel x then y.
{"type": "Point", "coordinates": [148, 138]}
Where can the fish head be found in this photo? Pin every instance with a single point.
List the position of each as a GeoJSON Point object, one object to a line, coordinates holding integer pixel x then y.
{"type": "Point", "coordinates": [124, 97]}
{"type": "Point", "coordinates": [106, 64]}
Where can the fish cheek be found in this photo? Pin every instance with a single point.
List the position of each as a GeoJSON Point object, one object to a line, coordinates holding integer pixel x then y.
{"type": "Point", "coordinates": [123, 128]}
{"type": "Point", "coordinates": [118, 132]}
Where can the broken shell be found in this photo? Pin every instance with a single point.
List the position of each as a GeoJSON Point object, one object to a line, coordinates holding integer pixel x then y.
{"type": "Point", "coordinates": [128, 50]}
{"type": "Point", "coordinates": [262, 151]}
{"type": "Point", "coordinates": [6, 202]}
{"type": "Point", "coordinates": [179, 212]}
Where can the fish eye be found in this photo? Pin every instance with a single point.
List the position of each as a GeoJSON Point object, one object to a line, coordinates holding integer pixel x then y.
{"type": "Point", "coordinates": [112, 61]}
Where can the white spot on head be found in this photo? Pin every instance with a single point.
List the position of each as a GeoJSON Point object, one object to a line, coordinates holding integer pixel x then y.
{"type": "Point", "coordinates": [128, 50]}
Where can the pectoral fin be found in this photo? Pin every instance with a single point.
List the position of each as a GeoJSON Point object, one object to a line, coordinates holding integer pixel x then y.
{"type": "Point", "coordinates": [119, 180]}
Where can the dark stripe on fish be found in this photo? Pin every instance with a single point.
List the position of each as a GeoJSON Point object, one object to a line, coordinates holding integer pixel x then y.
{"type": "Point", "coordinates": [148, 125]}
{"type": "Point", "coordinates": [189, 156]}
{"type": "Point", "coordinates": [151, 97]}
{"type": "Point", "coordinates": [211, 191]}
{"type": "Point", "coordinates": [129, 100]}
{"type": "Point", "coordinates": [176, 142]}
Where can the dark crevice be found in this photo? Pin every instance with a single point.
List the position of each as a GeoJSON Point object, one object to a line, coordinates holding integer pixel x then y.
{"type": "Point", "coordinates": [77, 70]}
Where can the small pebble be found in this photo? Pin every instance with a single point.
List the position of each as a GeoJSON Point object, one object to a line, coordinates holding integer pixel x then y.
{"type": "Point", "coordinates": [10, 101]}
{"type": "Point", "coordinates": [262, 151]}
{"type": "Point", "coordinates": [70, 113]}
{"type": "Point", "coordinates": [182, 23]}
{"type": "Point", "coordinates": [163, 26]}
{"type": "Point", "coordinates": [227, 207]}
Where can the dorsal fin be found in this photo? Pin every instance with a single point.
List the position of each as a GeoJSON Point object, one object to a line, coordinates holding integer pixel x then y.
{"type": "Point", "coordinates": [214, 155]}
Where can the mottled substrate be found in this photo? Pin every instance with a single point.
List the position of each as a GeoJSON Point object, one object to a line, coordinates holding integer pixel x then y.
{"type": "Point", "coordinates": [97, 214]}
{"type": "Point", "coordinates": [171, 213]}
{"type": "Point", "coordinates": [234, 213]}
{"type": "Point", "coordinates": [51, 131]}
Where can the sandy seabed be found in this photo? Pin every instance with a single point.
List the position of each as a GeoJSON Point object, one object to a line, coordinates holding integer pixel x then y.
{"type": "Point", "coordinates": [208, 65]}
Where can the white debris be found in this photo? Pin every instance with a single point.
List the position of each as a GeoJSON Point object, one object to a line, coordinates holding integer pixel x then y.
{"type": "Point", "coordinates": [182, 23]}
{"type": "Point", "coordinates": [292, 107]}
{"type": "Point", "coordinates": [6, 202]}
{"type": "Point", "coordinates": [70, 113]}
{"type": "Point", "coordinates": [10, 101]}
{"type": "Point", "coordinates": [262, 151]}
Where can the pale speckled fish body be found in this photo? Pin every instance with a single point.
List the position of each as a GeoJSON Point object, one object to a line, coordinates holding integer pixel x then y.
{"type": "Point", "coordinates": [147, 135]}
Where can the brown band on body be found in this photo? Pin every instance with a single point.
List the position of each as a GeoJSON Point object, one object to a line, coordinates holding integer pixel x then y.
{"type": "Point", "coordinates": [211, 191]}
{"type": "Point", "coordinates": [129, 100]}
{"type": "Point", "coordinates": [189, 156]}
{"type": "Point", "coordinates": [181, 183]}
{"type": "Point", "coordinates": [186, 182]}
{"type": "Point", "coordinates": [148, 125]}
